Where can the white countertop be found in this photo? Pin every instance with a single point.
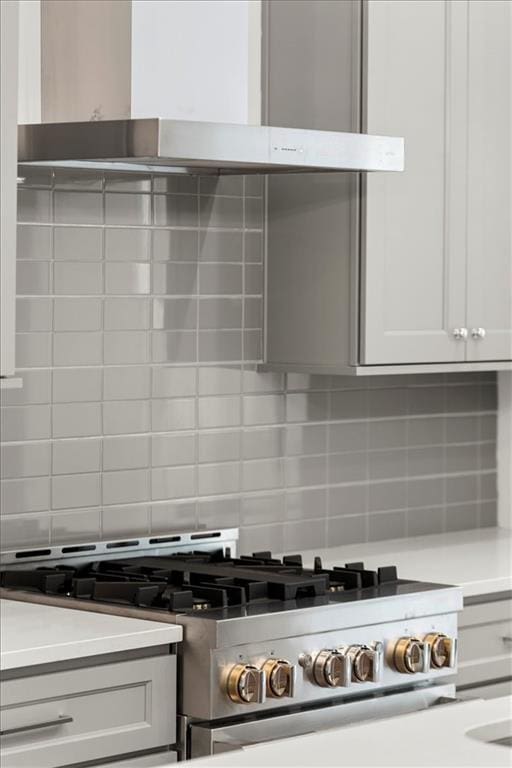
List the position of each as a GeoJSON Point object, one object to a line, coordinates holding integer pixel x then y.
{"type": "Point", "coordinates": [32, 633]}
{"type": "Point", "coordinates": [435, 737]}
{"type": "Point", "coordinates": [479, 561]}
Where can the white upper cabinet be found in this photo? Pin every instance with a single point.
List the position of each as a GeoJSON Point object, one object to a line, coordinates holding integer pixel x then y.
{"type": "Point", "coordinates": [415, 269]}
{"type": "Point", "coordinates": [412, 287]}
{"type": "Point", "coordinates": [438, 250]}
{"type": "Point", "coordinates": [489, 190]}
{"type": "Point", "coordinates": [8, 175]}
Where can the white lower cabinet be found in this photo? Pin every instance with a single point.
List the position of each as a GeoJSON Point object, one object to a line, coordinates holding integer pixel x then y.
{"type": "Point", "coordinates": [88, 713]}
{"type": "Point", "coordinates": [485, 650]}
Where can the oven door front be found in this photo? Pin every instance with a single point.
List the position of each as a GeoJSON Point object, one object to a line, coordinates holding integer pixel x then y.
{"type": "Point", "coordinates": [212, 739]}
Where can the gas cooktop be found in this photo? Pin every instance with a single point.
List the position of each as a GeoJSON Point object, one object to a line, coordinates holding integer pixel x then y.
{"type": "Point", "coordinates": [214, 583]}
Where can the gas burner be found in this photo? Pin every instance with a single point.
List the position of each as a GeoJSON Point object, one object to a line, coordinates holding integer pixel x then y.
{"type": "Point", "coordinates": [200, 581]}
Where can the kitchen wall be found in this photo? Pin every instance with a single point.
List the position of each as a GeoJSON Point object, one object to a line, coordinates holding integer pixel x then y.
{"type": "Point", "coordinates": [139, 329]}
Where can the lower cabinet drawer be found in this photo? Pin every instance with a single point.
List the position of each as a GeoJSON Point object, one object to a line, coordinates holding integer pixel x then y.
{"type": "Point", "coordinates": [485, 643]}
{"type": "Point", "coordinates": [89, 713]}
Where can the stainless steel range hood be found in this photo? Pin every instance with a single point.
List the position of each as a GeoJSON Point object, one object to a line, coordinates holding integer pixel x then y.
{"type": "Point", "coordinates": [158, 145]}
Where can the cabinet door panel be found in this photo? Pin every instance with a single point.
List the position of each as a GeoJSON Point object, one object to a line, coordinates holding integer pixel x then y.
{"type": "Point", "coordinates": [489, 179]}
{"type": "Point", "coordinates": [413, 271]}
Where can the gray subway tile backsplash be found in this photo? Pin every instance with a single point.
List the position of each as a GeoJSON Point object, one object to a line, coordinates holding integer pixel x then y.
{"type": "Point", "coordinates": [127, 382]}
{"type": "Point", "coordinates": [126, 486]}
{"type": "Point", "coordinates": [25, 460]}
{"type": "Point", "coordinates": [80, 277]}
{"type": "Point", "coordinates": [33, 278]}
{"type": "Point", "coordinates": [77, 314]}
{"type": "Point", "coordinates": [25, 422]}
{"type": "Point", "coordinates": [139, 318]}
{"type": "Point", "coordinates": [34, 205]}
{"type": "Point", "coordinates": [126, 452]}
{"type": "Point", "coordinates": [73, 385]}
{"type": "Point", "coordinates": [33, 350]}
{"type": "Point", "coordinates": [29, 494]}
{"type": "Point", "coordinates": [34, 242]}
{"type": "Point", "coordinates": [175, 244]}
{"type": "Point", "coordinates": [218, 211]}
{"type": "Point", "coordinates": [125, 347]}
{"type": "Point", "coordinates": [70, 491]}
{"type": "Point", "coordinates": [126, 314]}
{"type": "Point", "coordinates": [127, 244]}
{"type": "Point", "coordinates": [78, 244]}
{"type": "Point", "coordinates": [76, 456]}
{"type": "Point", "coordinates": [77, 207]}
{"type": "Point", "coordinates": [34, 314]}
{"type": "Point", "coordinates": [127, 278]}
{"type": "Point", "coordinates": [73, 348]}
{"type": "Point", "coordinates": [127, 208]}
{"type": "Point", "coordinates": [76, 419]}
{"type": "Point", "coordinates": [176, 210]}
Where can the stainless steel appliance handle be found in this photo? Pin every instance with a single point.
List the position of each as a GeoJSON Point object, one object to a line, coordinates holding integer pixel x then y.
{"type": "Point", "coordinates": [61, 720]}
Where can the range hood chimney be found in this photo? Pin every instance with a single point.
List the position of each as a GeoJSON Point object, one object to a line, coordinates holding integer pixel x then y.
{"type": "Point", "coordinates": [165, 86]}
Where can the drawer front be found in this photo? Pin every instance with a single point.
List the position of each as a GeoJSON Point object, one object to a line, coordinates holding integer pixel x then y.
{"type": "Point", "coordinates": [85, 714]}
{"type": "Point", "coordinates": [485, 645]}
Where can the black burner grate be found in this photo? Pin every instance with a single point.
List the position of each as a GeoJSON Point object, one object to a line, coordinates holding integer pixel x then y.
{"type": "Point", "coordinates": [198, 580]}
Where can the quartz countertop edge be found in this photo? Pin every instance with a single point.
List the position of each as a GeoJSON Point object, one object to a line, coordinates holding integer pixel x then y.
{"type": "Point", "coordinates": [479, 561]}
{"type": "Point", "coordinates": [462, 735]}
{"type": "Point", "coordinates": [33, 633]}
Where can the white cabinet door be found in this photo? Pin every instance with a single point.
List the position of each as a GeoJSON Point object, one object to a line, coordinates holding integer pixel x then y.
{"type": "Point", "coordinates": [414, 250]}
{"type": "Point", "coordinates": [8, 172]}
{"type": "Point", "coordinates": [489, 278]}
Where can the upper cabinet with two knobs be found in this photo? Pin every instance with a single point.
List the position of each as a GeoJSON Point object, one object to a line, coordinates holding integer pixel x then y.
{"type": "Point", "coordinates": [393, 272]}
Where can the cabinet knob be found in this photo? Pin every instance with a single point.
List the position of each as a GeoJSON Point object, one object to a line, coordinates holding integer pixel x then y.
{"type": "Point", "coordinates": [460, 334]}
{"type": "Point", "coordinates": [478, 333]}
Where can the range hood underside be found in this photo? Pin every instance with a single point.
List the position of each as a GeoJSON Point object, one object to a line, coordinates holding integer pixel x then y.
{"type": "Point", "coordinates": [171, 146]}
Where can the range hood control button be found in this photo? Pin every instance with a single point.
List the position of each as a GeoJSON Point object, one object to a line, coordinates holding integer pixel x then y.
{"type": "Point", "coordinates": [280, 676]}
{"type": "Point", "coordinates": [246, 684]}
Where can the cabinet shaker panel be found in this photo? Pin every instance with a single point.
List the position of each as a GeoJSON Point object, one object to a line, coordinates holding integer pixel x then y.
{"type": "Point", "coordinates": [489, 277]}
{"type": "Point", "coordinates": [413, 259]}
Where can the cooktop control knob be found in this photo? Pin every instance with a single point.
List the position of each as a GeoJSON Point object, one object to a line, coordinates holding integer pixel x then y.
{"type": "Point", "coordinates": [246, 684]}
{"type": "Point", "coordinates": [331, 669]}
{"type": "Point", "coordinates": [442, 650]}
{"type": "Point", "coordinates": [280, 676]}
{"type": "Point", "coordinates": [366, 662]}
{"type": "Point", "coordinates": [410, 655]}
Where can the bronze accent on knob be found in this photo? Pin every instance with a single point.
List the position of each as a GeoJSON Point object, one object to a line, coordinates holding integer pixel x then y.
{"type": "Point", "coordinates": [409, 655]}
{"type": "Point", "coordinates": [362, 663]}
{"type": "Point", "coordinates": [331, 669]}
{"type": "Point", "coordinates": [440, 649]}
{"type": "Point", "coordinates": [245, 684]}
{"type": "Point", "coordinates": [280, 675]}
